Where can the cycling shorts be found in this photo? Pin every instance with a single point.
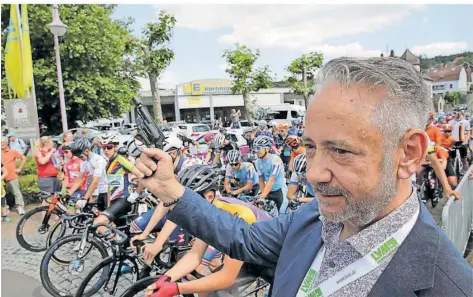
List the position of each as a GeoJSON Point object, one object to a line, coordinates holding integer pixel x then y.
{"type": "Point", "coordinates": [210, 254]}
{"type": "Point", "coordinates": [277, 196]}
{"type": "Point", "coordinates": [118, 207]}
{"type": "Point", "coordinates": [450, 170]}
{"type": "Point", "coordinates": [140, 223]}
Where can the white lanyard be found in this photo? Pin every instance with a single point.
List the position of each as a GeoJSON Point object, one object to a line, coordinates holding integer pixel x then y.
{"type": "Point", "coordinates": [357, 269]}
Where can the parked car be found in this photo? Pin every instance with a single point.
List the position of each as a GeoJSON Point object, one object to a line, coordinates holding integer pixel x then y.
{"type": "Point", "coordinates": [194, 130]}
{"type": "Point", "coordinates": [91, 133]}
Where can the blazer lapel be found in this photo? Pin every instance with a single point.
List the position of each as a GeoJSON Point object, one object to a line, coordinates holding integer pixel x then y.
{"type": "Point", "coordinates": [302, 250]}
{"type": "Point", "coordinates": [412, 267]}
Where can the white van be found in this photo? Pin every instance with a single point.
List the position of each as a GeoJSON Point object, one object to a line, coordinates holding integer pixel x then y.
{"type": "Point", "coordinates": [285, 113]}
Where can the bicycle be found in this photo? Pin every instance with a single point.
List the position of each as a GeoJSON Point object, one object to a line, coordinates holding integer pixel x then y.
{"type": "Point", "coordinates": [172, 251]}
{"type": "Point", "coordinates": [457, 161]}
{"type": "Point", "coordinates": [57, 206]}
{"type": "Point", "coordinates": [431, 189]}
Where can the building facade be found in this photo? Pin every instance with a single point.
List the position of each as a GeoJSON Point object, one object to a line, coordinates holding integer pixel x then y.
{"type": "Point", "coordinates": [448, 79]}
{"type": "Point", "coordinates": [203, 100]}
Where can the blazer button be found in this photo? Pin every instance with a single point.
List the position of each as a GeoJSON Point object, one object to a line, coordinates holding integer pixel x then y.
{"type": "Point", "coordinates": [331, 264]}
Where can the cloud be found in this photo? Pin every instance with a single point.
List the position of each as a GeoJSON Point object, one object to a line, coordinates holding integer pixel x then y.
{"type": "Point", "coordinates": [169, 80]}
{"type": "Point", "coordinates": [425, 20]}
{"type": "Point", "coordinates": [440, 48]}
{"type": "Point", "coordinates": [347, 50]}
{"type": "Point", "coordinates": [295, 27]}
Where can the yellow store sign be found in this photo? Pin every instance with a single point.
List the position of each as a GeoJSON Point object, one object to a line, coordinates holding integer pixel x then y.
{"type": "Point", "coordinates": [209, 86]}
{"type": "Point", "coordinates": [194, 100]}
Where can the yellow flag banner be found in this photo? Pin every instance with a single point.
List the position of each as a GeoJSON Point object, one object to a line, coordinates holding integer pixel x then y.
{"type": "Point", "coordinates": [13, 55]}
{"type": "Point", "coordinates": [27, 58]}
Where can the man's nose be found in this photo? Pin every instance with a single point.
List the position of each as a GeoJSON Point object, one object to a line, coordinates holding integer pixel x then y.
{"type": "Point", "coordinates": [317, 169]}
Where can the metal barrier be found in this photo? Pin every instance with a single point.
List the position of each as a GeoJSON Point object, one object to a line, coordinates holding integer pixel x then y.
{"type": "Point", "coordinates": [457, 215]}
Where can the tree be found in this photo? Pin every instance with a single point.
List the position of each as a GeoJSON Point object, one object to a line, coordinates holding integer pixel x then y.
{"type": "Point", "coordinates": [454, 98]}
{"type": "Point", "coordinates": [246, 79]}
{"type": "Point", "coordinates": [302, 70]}
{"type": "Point", "coordinates": [153, 55]}
{"type": "Point", "coordinates": [97, 83]}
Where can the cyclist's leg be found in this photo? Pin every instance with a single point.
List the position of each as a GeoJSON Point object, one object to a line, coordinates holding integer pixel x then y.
{"type": "Point", "coordinates": [117, 208]}
{"type": "Point", "coordinates": [450, 173]}
{"type": "Point", "coordinates": [277, 196]}
{"type": "Point", "coordinates": [141, 222]}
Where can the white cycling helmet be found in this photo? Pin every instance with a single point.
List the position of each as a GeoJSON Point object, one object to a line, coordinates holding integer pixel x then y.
{"type": "Point", "coordinates": [110, 137]}
{"type": "Point", "coordinates": [173, 143]}
{"type": "Point", "coordinates": [262, 124]}
{"type": "Point", "coordinates": [135, 147]}
{"type": "Point", "coordinates": [299, 164]}
{"type": "Point", "coordinates": [272, 124]}
{"type": "Point", "coordinates": [218, 140]}
{"type": "Point", "coordinates": [234, 156]}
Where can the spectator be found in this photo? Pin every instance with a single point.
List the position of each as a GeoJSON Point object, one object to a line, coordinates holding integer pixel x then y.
{"type": "Point", "coordinates": [4, 200]}
{"type": "Point", "coordinates": [16, 144]}
{"type": "Point", "coordinates": [43, 130]}
{"type": "Point", "coordinates": [9, 157]}
{"type": "Point", "coordinates": [66, 139]}
{"type": "Point", "coordinates": [47, 165]}
{"type": "Point", "coordinates": [235, 116]}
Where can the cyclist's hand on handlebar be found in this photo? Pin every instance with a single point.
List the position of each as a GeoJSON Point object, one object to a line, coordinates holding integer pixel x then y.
{"type": "Point", "coordinates": [151, 250]}
{"type": "Point", "coordinates": [450, 192]}
{"type": "Point", "coordinates": [163, 287]}
{"type": "Point", "coordinates": [160, 180]}
{"type": "Point", "coordinates": [140, 237]}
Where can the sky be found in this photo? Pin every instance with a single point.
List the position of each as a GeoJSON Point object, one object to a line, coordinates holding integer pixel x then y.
{"type": "Point", "coordinates": [284, 32]}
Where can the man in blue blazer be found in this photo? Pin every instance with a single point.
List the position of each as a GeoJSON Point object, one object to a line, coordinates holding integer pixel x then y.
{"type": "Point", "coordinates": [366, 234]}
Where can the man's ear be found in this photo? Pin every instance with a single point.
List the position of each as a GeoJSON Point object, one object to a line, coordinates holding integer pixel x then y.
{"type": "Point", "coordinates": [412, 153]}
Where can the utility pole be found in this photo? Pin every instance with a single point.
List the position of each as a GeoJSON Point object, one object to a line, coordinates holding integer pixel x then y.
{"type": "Point", "coordinates": [304, 78]}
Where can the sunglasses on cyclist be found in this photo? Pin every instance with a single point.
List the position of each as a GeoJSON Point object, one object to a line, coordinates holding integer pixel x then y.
{"type": "Point", "coordinates": [258, 148]}
{"type": "Point", "coordinates": [108, 147]}
{"type": "Point", "coordinates": [234, 164]}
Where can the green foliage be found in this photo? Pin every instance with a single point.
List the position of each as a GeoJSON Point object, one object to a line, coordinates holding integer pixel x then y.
{"type": "Point", "coordinates": [306, 65]}
{"type": "Point", "coordinates": [98, 81]}
{"type": "Point", "coordinates": [154, 56]}
{"type": "Point", "coordinates": [29, 187]}
{"type": "Point", "coordinates": [454, 98]}
{"type": "Point", "coordinates": [246, 78]}
{"type": "Point", "coordinates": [426, 63]}
{"type": "Point", "coordinates": [30, 167]}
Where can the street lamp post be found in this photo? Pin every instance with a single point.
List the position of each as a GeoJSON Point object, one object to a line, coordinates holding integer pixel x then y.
{"type": "Point", "coordinates": [58, 28]}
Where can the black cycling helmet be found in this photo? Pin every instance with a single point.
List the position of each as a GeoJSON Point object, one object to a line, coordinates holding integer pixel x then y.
{"type": "Point", "coordinates": [200, 178]}
{"type": "Point", "coordinates": [74, 148]}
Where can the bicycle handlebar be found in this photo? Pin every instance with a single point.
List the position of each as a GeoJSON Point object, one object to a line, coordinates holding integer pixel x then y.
{"type": "Point", "coordinates": [110, 231]}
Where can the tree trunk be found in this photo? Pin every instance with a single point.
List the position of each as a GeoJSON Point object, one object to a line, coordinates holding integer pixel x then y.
{"type": "Point", "coordinates": [157, 112]}
{"type": "Point", "coordinates": [248, 111]}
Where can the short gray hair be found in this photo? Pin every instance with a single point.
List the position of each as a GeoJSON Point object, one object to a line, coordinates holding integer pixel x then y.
{"type": "Point", "coordinates": [408, 104]}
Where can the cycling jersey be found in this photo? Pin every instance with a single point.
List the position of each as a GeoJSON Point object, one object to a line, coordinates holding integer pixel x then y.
{"type": "Point", "coordinates": [186, 161]}
{"type": "Point", "coordinates": [462, 125]}
{"type": "Point", "coordinates": [293, 131]}
{"type": "Point", "coordinates": [272, 167]}
{"type": "Point", "coordinates": [286, 151]}
{"type": "Point", "coordinates": [118, 168]}
{"type": "Point", "coordinates": [96, 168]}
{"type": "Point", "coordinates": [295, 178]}
{"type": "Point", "coordinates": [243, 210]}
{"type": "Point", "coordinates": [246, 173]}
{"type": "Point", "coordinates": [434, 133]}
{"type": "Point", "coordinates": [74, 167]}
{"type": "Point", "coordinates": [264, 133]}
{"type": "Point", "coordinates": [447, 141]}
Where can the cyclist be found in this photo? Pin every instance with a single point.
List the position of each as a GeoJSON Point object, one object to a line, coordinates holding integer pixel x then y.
{"type": "Point", "coordinates": [432, 130]}
{"type": "Point", "coordinates": [97, 183]}
{"type": "Point", "coordinates": [205, 181]}
{"type": "Point", "coordinates": [299, 176]}
{"type": "Point", "coordinates": [294, 142]}
{"type": "Point", "coordinates": [263, 129]}
{"type": "Point", "coordinates": [75, 171]}
{"type": "Point", "coordinates": [243, 172]}
{"type": "Point", "coordinates": [118, 170]}
{"type": "Point", "coordinates": [270, 171]}
{"type": "Point", "coordinates": [284, 149]}
{"type": "Point", "coordinates": [294, 130]}
{"type": "Point", "coordinates": [462, 133]}
{"type": "Point", "coordinates": [249, 135]}
{"type": "Point", "coordinates": [222, 145]}
{"type": "Point", "coordinates": [208, 137]}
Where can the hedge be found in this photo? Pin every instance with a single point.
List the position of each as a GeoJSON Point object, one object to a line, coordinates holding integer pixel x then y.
{"type": "Point", "coordinates": [28, 180]}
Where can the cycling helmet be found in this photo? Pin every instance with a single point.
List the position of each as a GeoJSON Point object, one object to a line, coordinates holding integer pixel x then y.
{"type": "Point", "coordinates": [449, 118]}
{"type": "Point", "coordinates": [283, 126]}
{"type": "Point", "coordinates": [209, 136]}
{"type": "Point", "coordinates": [82, 144]}
{"type": "Point", "coordinates": [200, 178]}
{"type": "Point", "coordinates": [262, 124]}
{"type": "Point", "coordinates": [182, 135]}
{"type": "Point", "coordinates": [246, 132]}
{"type": "Point", "coordinates": [218, 140]}
{"type": "Point", "coordinates": [135, 147]}
{"type": "Point", "coordinates": [447, 128]}
{"type": "Point", "coordinates": [173, 143]}
{"type": "Point", "coordinates": [75, 150]}
{"type": "Point", "coordinates": [295, 122]}
{"type": "Point", "coordinates": [272, 124]}
{"type": "Point", "coordinates": [110, 137]}
{"type": "Point", "coordinates": [292, 141]}
{"type": "Point", "coordinates": [264, 141]}
{"type": "Point", "coordinates": [300, 163]}
{"type": "Point", "coordinates": [234, 156]}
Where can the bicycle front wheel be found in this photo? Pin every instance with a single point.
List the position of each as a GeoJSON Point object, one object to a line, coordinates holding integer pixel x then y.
{"type": "Point", "coordinates": [138, 289]}
{"type": "Point", "coordinates": [62, 279]}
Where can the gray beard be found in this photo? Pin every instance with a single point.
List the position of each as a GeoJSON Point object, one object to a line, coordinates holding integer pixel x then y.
{"type": "Point", "coordinates": [362, 211]}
